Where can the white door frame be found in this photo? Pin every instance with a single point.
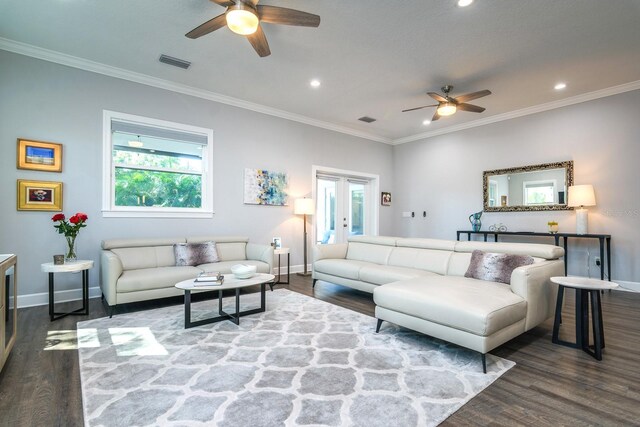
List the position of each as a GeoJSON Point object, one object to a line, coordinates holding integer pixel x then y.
{"type": "Point", "coordinates": [374, 180]}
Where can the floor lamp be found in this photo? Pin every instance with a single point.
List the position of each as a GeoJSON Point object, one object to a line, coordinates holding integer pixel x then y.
{"type": "Point", "coordinates": [304, 207]}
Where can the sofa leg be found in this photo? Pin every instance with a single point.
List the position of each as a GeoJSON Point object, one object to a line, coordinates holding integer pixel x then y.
{"type": "Point", "coordinates": [314, 283]}
{"type": "Point", "coordinates": [378, 325]}
{"type": "Point", "coordinates": [484, 363]}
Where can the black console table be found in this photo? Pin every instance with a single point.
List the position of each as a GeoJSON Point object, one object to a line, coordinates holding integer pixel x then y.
{"type": "Point", "coordinates": [602, 239]}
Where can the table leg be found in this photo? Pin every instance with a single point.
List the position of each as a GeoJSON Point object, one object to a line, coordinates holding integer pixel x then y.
{"type": "Point", "coordinates": [495, 237]}
{"type": "Point", "coordinates": [458, 236]}
{"type": "Point", "coordinates": [558, 317]}
{"type": "Point", "coordinates": [566, 255]}
{"type": "Point", "coordinates": [220, 302]}
{"type": "Point", "coordinates": [485, 237]}
{"type": "Point", "coordinates": [597, 325]}
{"type": "Point", "coordinates": [187, 308]}
{"type": "Point", "coordinates": [601, 239]}
{"type": "Point", "coordinates": [601, 324]}
{"type": "Point", "coordinates": [288, 267]}
{"type": "Point", "coordinates": [51, 296]}
{"type": "Point", "coordinates": [236, 319]}
{"type": "Point", "coordinates": [609, 258]}
{"type": "Point", "coordinates": [468, 236]}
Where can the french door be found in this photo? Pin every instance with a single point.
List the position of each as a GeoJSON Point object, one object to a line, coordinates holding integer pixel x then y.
{"type": "Point", "coordinates": [343, 208]}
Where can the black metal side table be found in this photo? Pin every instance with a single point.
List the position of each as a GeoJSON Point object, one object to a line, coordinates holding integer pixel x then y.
{"type": "Point", "coordinates": [586, 289]}
{"type": "Point", "coordinates": [279, 252]}
{"type": "Point", "coordinates": [69, 267]}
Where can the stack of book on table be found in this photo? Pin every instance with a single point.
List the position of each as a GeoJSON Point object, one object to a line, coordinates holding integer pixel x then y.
{"type": "Point", "coordinates": [211, 278]}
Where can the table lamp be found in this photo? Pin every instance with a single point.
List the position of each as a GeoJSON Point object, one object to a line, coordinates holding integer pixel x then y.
{"type": "Point", "coordinates": [579, 197]}
{"type": "Point", "coordinates": [304, 207]}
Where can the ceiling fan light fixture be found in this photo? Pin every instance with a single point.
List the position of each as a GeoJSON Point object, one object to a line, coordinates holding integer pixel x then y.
{"type": "Point", "coordinates": [447, 109]}
{"type": "Point", "coordinates": [242, 20]}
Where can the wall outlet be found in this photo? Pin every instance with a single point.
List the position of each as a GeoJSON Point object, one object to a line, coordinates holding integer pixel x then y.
{"type": "Point", "coordinates": [597, 259]}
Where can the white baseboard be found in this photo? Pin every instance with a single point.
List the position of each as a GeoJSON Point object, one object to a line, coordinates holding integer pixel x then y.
{"type": "Point", "coordinates": [628, 286]}
{"type": "Point", "coordinates": [294, 269]}
{"type": "Point", "coordinates": [42, 298]}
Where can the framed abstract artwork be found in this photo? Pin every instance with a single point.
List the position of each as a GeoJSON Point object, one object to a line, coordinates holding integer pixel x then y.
{"type": "Point", "coordinates": [262, 187]}
{"type": "Point", "coordinates": [39, 155]}
{"type": "Point", "coordinates": [39, 195]}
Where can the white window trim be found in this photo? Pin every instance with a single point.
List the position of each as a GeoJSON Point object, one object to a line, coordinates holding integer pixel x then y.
{"type": "Point", "coordinates": [109, 210]}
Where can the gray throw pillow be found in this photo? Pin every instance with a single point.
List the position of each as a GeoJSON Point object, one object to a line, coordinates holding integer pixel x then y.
{"type": "Point", "coordinates": [195, 253]}
{"type": "Point", "coordinates": [495, 267]}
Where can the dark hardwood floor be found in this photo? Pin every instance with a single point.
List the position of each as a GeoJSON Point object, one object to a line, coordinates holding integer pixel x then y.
{"type": "Point", "coordinates": [550, 385]}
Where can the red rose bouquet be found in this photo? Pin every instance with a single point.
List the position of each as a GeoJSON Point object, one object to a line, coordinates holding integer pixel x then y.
{"type": "Point", "coordinates": [70, 228]}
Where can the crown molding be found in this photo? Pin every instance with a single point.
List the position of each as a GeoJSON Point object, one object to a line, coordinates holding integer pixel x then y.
{"type": "Point", "coordinates": [590, 96]}
{"type": "Point", "coordinates": [107, 70]}
{"type": "Point", "coordinates": [119, 73]}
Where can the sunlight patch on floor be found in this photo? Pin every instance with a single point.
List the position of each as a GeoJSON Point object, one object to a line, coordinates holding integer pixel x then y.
{"type": "Point", "coordinates": [136, 342]}
{"type": "Point", "coordinates": [72, 339]}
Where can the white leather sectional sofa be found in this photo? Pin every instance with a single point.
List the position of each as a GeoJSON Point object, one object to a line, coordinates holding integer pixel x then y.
{"type": "Point", "coordinates": [143, 269]}
{"type": "Point", "coordinates": [420, 284]}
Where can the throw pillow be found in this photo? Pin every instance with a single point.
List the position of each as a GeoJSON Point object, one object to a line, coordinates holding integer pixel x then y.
{"type": "Point", "coordinates": [195, 253]}
{"type": "Point", "coordinates": [495, 267]}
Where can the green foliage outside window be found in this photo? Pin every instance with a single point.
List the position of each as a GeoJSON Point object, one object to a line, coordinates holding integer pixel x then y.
{"type": "Point", "coordinates": [135, 187]}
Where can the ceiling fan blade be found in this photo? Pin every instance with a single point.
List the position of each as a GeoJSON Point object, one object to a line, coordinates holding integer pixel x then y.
{"type": "Point", "coordinates": [470, 107]}
{"type": "Point", "coordinates": [437, 97]}
{"type": "Point", "coordinates": [419, 108]}
{"type": "Point", "coordinates": [282, 15]}
{"type": "Point", "coordinates": [259, 42]}
{"type": "Point", "coordinates": [208, 27]}
{"type": "Point", "coordinates": [224, 3]}
{"type": "Point", "coordinates": [435, 117]}
{"type": "Point", "coordinates": [472, 96]}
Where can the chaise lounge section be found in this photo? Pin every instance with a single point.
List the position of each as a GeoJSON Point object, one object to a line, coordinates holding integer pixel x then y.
{"type": "Point", "coordinates": [420, 284]}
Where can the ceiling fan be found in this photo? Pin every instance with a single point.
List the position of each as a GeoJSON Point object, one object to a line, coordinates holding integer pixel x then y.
{"type": "Point", "coordinates": [244, 17]}
{"type": "Point", "coordinates": [448, 105]}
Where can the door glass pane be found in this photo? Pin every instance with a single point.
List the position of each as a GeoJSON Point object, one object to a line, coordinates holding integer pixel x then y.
{"type": "Point", "coordinates": [356, 209]}
{"type": "Point", "coordinates": [326, 211]}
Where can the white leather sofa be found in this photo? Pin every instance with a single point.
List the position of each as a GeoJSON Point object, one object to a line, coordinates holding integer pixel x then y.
{"type": "Point", "coordinates": [142, 269]}
{"type": "Point", "coordinates": [420, 284]}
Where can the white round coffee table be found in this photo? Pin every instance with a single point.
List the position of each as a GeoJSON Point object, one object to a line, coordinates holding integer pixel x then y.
{"type": "Point", "coordinates": [584, 287]}
{"type": "Point", "coordinates": [230, 282]}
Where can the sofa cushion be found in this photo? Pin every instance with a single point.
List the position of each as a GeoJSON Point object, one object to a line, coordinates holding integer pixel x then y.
{"type": "Point", "coordinates": [377, 254]}
{"type": "Point", "coordinates": [232, 251]}
{"type": "Point", "coordinates": [154, 278]}
{"type": "Point", "coordinates": [382, 274]}
{"type": "Point", "coordinates": [195, 253]}
{"type": "Point", "coordinates": [349, 269]}
{"type": "Point", "coordinates": [145, 257]}
{"type": "Point", "coordinates": [495, 267]}
{"type": "Point", "coordinates": [224, 267]}
{"type": "Point", "coordinates": [470, 305]}
{"type": "Point", "coordinates": [533, 249]}
{"type": "Point", "coordinates": [435, 261]}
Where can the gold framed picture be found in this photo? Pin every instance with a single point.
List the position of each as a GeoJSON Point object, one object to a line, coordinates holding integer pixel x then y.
{"type": "Point", "coordinates": [39, 195]}
{"type": "Point", "coordinates": [39, 155]}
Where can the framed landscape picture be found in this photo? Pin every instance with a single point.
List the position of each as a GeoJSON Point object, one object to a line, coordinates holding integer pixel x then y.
{"type": "Point", "coordinates": [39, 155]}
{"type": "Point", "coordinates": [39, 195]}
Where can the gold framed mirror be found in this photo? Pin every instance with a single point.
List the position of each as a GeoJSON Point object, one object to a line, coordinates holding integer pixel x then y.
{"type": "Point", "coordinates": [528, 188]}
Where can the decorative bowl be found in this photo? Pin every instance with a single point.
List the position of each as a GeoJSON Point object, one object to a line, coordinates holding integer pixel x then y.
{"type": "Point", "coordinates": [243, 271]}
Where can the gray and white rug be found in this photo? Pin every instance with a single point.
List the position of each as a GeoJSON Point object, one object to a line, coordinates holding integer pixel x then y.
{"type": "Point", "coordinates": [303, 362]}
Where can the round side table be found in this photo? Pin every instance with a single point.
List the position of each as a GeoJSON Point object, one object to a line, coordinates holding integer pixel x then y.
{"type": "Point", "coordinates": [585, 288]}
{"type": "Point", "coordinates": [69, 267]}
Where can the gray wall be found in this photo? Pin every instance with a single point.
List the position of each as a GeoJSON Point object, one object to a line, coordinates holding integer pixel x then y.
{"type": "Point", "coordinates": [45, 101]}
{"type": "Point", "coordinates": [443, 175]}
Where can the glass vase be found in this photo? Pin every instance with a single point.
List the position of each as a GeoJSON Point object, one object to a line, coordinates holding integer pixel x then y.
{"type": "Point", "coordinates": [70, 254]}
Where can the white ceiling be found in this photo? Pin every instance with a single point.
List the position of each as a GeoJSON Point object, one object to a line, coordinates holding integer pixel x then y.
{"type": "Point", "coordinates": [374, 57]}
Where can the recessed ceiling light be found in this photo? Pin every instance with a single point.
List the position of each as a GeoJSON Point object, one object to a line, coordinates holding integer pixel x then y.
{"type": "Point", "coordinates": [560, 86]}
{"type": "Point", "coordinates": [315, 83]}
{"type": "Point", "coordinates": [426, 122]}
{"type": "Point", "coordinates": [464, 3]}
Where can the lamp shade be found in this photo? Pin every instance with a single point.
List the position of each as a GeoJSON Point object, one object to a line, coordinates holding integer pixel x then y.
{"type": "Point", "coordinates": [304, 207]}
{"type": "Point", "coordinates": [581, 195]}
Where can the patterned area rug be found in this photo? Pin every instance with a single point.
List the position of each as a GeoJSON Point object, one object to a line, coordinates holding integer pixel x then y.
{"type": "Point", "coordinates": [302, 362]}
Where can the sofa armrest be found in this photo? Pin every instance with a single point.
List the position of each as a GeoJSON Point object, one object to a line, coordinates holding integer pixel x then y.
{"type": "Point", "coordinates": [333, 251]}
{"type": "Point", "coordinates": [258, 252]}
{"type": "Point", "coordinates": [110, 272]}
{"type": "Point", "coordinates": [532, 282]}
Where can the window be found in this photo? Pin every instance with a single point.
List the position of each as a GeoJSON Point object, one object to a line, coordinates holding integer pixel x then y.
{"type": "Point", "coordinates": [154, 168]}
{"type": "Point", "coordinates": [539, 192]}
